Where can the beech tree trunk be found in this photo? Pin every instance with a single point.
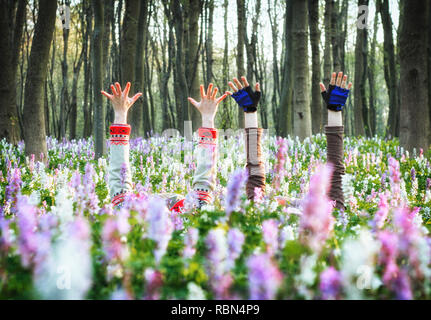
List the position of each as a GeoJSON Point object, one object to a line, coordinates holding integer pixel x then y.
{"type": "Point", "coordinates": [33, 113]}
{"type": "Point", "coordinates": [415, 121]}
{"type": "Point", "coordinates": [360, 77]}
{"type": "Point", "coordinates": [240, 63]}
{"type": "Point", "coordinates": [97, 60]}
{"type": "Point", "coordinates": [301, 102]}
{"type": "Point", "coordinates": [316, 98]}
{"type": "Point", "coordinates": [390, 70]}
{"type": "Point", "coordinates": [11, 24]}
{"type": "Point", "coordinates": [129, 42]}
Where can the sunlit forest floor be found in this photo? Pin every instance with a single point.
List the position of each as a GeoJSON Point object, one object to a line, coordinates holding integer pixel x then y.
{"type": "Point", "coordinates": [61, 239]}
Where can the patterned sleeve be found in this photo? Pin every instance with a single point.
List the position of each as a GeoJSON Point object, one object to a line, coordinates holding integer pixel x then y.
{"type": "Point", "coordinates": [206, 155]}
{"type": "Point", "coordinates": [120, 178]}
{"type": "Point", "coordinates": [255, 166]}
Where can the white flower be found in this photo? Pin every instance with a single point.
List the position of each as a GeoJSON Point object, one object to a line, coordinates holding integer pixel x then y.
{"type": "Point", "coordinates": [195, 292]}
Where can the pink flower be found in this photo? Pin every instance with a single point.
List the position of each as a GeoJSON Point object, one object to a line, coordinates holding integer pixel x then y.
{"type": "Point", "coordinates": [330, 283]}
{"type": "Point", "coordinates": [317, 222]}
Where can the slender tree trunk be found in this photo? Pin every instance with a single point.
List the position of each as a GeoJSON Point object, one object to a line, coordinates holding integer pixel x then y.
{"type": "Point", "coordinates": [390, 69]}
{"type": "Point", "coordinates": [301, 102]}
{"type": "Point", "coordinates": [209, 41]}
{"type": "Point", "coordinates": [140, 85]}
{"type": "Point", "coordinates": [240, 63]}
{"type": "Point", "coordinates": [129, 41]}
{"type": "Point", "coordinates": [226, 111]}
{"type": "Point", "coordinates": [87, 71]}
{"type": "Point", "coordinates": [327, 54]}
{"type": "Point", "coordinates": [33, 114]}
{"type": "Point", "coordinates": [273, 17]}
{"type": "Point", "coordinates": [316, 98]}
{"type": "Point", "coordinates": [191, 47]}
{"type": "Point", "coordinates": [10, 45]}
{"type": "Point", "coordinates": [360, 77]}
{"type": "Point", "coordinates": [371, 78]}
{"type": "Point", "coordinates": [64, 95]}
{"type": "Point", "coordinates": [181, 87]}
{"type": "Point", "coordinates": [286, 100]}
{"type": "Point", "coordinates": [415, 121]}
{"type": "Point", "coordinates": [97, 53]}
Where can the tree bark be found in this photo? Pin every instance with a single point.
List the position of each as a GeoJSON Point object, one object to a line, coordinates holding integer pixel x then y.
{"type": "Point", "coordinates": [371, 78]}
{"type": "Point", "coordinates": [129, 41]}
{"type": "Point", "coordinates": [327, 54]}
{"type": "Point", "coordinates": [10, 44]}
{"type": "Point", "coordinates": [140, 85]}
{"type": "Point", "coordinates": [316, 98]}
{"type": "Point", "coordinates": [33, 113]}
{"type": "Point", "coordinates": [286, 103]}
{"type": "Point", "coordinates": [390, 69]}
{"type": "Point", "coordinates": [415, 121]}
{"type": "Point", "coordinates": [240, 63]}
{"type": "Point", "coordinates": [99, 106]}
{"type": "Point", "coordinates": [360, 77]}
{"type": "Point", "coordinates": [301, 103]}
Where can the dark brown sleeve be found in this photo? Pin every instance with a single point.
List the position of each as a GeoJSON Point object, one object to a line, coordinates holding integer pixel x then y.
{"type": "Point", "coordinates": [255, 166]}
{"type": "Point", "coordinates": [335, 155]}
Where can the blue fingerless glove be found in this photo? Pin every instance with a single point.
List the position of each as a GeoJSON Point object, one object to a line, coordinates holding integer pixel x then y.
{"type": "Point", "coordinates": [247, 99]}
{"type": "Point", "coordinates": [335, 97]}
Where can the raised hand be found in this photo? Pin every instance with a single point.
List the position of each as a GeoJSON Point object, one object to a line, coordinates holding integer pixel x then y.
{"type": "Point", "coordinates": [121, 102]}
{"type": "Point", "coordinates": [244, 95]}
{"type": "Point", "coordinates": [337, 94]}
{"type": "Point", "coordinates": [208, 105]}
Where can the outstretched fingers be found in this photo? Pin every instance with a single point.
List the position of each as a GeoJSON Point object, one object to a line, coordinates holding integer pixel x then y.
{"type": "Point", "coordinates": [339, 78]}
{"type": "Point", "coordinates": [214, 93]}
{"type": "Point", "coordinates": [210, 87]}
{"type": "Point", "coordinates": [257, 87]}
{"type": "Point", "coordinates": [136, 97]}
{"type": "Point", "coordinates": [126, 90]}
{"type": "Point", "coordinates": [245, 82]}
{"type": "Point", "coordinates": [118, 88]}
{"type": "Point", "coordinates": [221, 98]}
{"type": "Point", "coordinates": [193, 102]}
{"type": "Point", "coordinates": [237, 83]}
{"type": "Point", "coordinates": [322, 87]}
{"type": "Point", "coordinates": [232, 86]}
{"type": "Point", "coordinates": [333, 76]}
{"type": "Point", "coordinates": [349, 86]}
{"type": "Point", "coordinates": [109, 96]}
{"type": "Point", "coordinates": [114, 92]}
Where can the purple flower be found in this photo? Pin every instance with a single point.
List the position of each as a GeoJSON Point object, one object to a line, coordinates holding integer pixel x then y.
{"type": "Point", "coordinates": [234, 190]}
{"type": "Point", "coordinates": [280, 171]}
{"type": "Point", "coordinates": [330, 283]}
{"type": "Point", "coordinates": [13, 188]}
{"type": "Point", "coordinates": [413, 174]}
{"type": "Point", "coordinates": [317, 222]}
{"type": "Point", "coordinates": [220, 279]}
{"type": "Point", "coordinates": [270, 235]}
{"type": "Point", "coordinates": [27, 224]}
{"type": "Point", "coordinates": [383, 211]}
{"type": "Point", "coordinates": [235, 241]}
{"type": "Point", "coordinates": [160, 226]}
{"type": "Point", "coordinates": [264, 278]}
{"type": "Point", "coordinates": [190, 241]}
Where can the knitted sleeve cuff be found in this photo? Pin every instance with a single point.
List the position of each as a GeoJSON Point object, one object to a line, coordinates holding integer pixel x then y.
{"type": "Point", "coordinates": [119, 134]}
{"type": "Point", "coordinates": [207, 135]}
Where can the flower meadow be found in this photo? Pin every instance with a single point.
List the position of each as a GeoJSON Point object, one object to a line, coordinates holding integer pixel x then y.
{"type": "Point", "coordinates": [60, 238]}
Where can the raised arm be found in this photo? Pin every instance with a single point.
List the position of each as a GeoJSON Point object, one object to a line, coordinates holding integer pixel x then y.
{"type": "Point", "coordinates": [206, 151]}
{"type": "Point", "coordinates": [248, 100]}
{"type": "Point", "coordinates": [335, 98]}
{"type": "Point", "coordinates": [120, 179]}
